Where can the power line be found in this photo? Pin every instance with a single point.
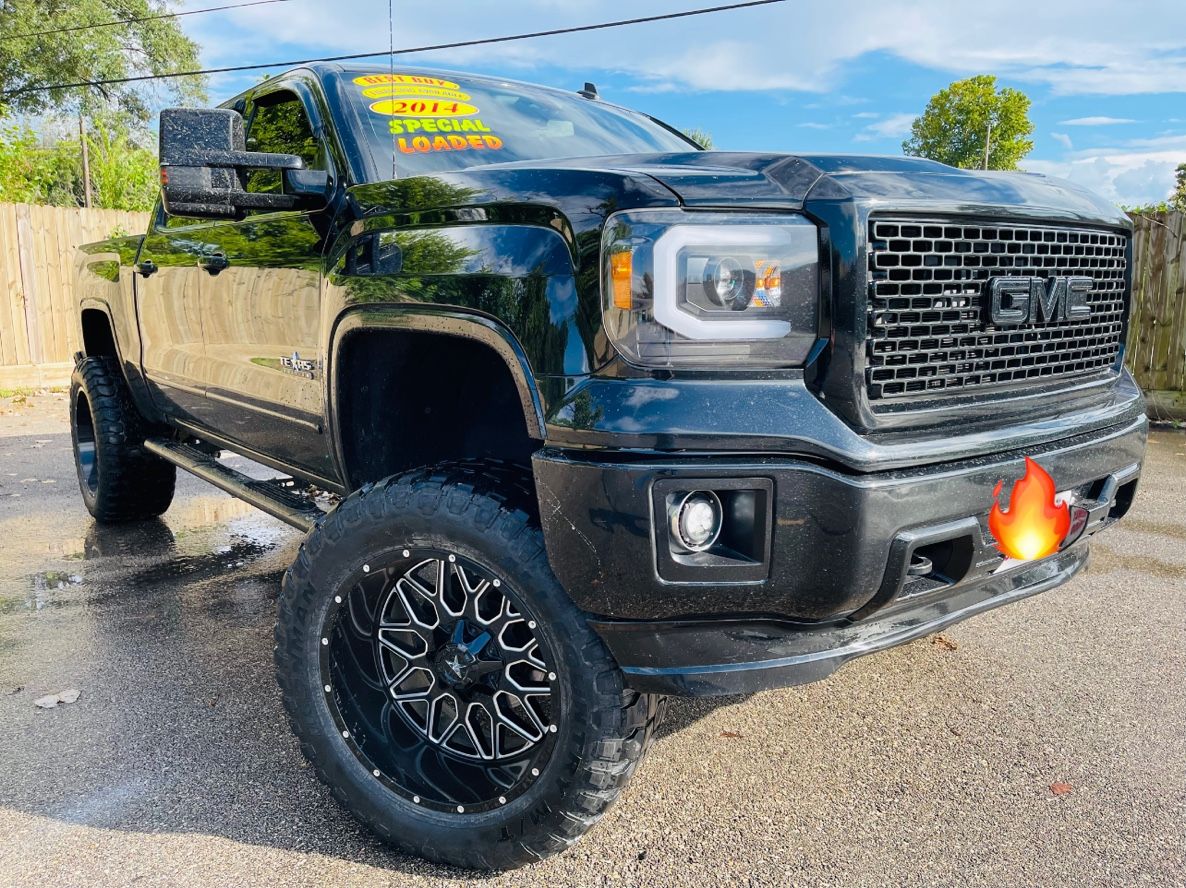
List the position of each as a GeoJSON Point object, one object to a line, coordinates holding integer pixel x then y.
{"type": "Point", "coordinates": [460, 44]}
{"type": "Point", "coordinates": [134, 19]}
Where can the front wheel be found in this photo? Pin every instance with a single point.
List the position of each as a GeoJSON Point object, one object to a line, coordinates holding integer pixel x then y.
{"type": "Point", "coordinates": [440, 680]}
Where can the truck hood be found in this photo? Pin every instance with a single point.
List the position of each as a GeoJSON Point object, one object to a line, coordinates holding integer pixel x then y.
{"type": "Point", "coordinates": [706, 179]}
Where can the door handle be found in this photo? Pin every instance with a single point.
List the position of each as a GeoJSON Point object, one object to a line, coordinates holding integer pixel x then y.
{"type": "Point", "coordinates": [147, 267]}
{"type": "Point", "coordinates": [214, 262]}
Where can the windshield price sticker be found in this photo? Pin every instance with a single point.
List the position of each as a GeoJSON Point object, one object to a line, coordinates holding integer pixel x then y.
{"type": "Point", "coordinates": [421, 106]}
{"type": "Point", "coordinates": [391, 90]}
{"type": "Point", "coordinates": [410, 79]}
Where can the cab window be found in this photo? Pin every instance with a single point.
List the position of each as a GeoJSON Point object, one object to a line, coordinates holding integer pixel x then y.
{"type": "Point", "coordinates": [279, 125]}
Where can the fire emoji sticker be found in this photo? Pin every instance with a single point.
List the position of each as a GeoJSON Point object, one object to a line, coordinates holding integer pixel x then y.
{"type": "Point", "coordinates": [1035, 524]}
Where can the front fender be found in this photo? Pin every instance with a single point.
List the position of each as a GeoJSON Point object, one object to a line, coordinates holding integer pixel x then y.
{"type": "Point", "coordinates": [520, 276]}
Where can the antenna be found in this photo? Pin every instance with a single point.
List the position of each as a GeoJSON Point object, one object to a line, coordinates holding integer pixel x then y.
{"type": "Point", "coordinates": [391, 71]}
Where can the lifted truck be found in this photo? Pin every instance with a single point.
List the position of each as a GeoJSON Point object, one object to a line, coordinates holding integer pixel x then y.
{"type": "Point", "coordinates": [611, 418]}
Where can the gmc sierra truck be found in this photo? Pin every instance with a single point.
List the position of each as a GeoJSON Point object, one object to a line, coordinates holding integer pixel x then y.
{"type": "Point", "coordinates": [609, 418]}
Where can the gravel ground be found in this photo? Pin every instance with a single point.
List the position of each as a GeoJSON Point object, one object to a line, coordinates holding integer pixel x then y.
{"type": "Point", "coordinates": [930, 764]}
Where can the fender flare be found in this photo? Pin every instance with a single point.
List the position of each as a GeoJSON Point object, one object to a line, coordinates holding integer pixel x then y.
{"type": "Point", "coordinates": [439, 320]}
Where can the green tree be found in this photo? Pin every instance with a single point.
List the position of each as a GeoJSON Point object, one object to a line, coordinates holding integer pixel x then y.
{"type": "Point", "coordinates": [124, 174]}
{"type": "Point", "coordinates": [1178, 198]}
{"type": "Point", "coordinates": [973, 125]}
{"type": "Point", "coordinates": [19, 165]}
{"type": "Point", "coordinates": [703, 138]}
{"type": "Point", "coordinates": [37, 49]}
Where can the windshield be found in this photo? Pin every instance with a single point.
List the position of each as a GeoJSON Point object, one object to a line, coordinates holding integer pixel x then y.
{"type": "Point", "coordinates": [428, 124]}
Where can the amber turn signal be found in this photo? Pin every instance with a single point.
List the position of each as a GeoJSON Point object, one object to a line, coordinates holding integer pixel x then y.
{"type": "Point", "coordinates": [621, 270]}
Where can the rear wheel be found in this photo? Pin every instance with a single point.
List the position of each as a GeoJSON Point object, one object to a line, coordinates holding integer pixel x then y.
{"type": "Point", "coordinates": [119, 479]}
{"type": "Point", "coordinates": [440, 680]}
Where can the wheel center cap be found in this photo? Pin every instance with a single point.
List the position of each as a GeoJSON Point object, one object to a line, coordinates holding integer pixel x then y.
{"type": "Point", "coordinates": [453, 664]}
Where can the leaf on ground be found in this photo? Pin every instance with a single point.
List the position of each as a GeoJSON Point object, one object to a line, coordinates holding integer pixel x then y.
{"type": "Point", "coordinates": [49, 701]}
{"type": "Point", "coordinates": [731, 735]}
{"type": "Point", "coordinates": [944, 642]}
{"type": "Point", "coordinates": [1059, 788]}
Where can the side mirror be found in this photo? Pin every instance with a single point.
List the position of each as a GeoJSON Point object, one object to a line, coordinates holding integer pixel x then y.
{"type": "Point", "coordinates": [203, 154]}
{"type": "Point", "coordinates": [310, 188]}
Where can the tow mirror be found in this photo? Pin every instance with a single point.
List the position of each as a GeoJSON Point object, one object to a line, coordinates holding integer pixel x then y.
{"type": "Point", "coordinates": [203, 156]}
{"type": "Point", "coordinates": [309, 187]}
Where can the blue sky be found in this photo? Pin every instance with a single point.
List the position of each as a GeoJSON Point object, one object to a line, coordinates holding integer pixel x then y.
{"type": "Point", "coordinates": [1107, 79]}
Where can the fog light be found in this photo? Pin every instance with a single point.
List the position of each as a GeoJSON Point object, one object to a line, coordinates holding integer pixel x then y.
{"type": "Point", "coordinates": [696, 520]}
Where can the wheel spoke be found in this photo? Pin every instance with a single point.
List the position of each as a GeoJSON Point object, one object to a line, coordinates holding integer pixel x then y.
{"type": "Point", "coordinates": [403, 678]}
{"type": "Point", "coordinates": [442, 718]}
{"type": "Point", "coordinates": [484, 742]}
{"type": "Point", "coordinates": [533, 658]}
{"type": "Point", "coordinates": [412, 612]}
{"type": "Point", "coordinates": [506, 712]}
{"type": "Point", "coordinates": [406, 642]}
{"type": "Point", "coordinates": [520, 685]}
{"type": "Point", "coordinates": [485, 667]}
{"type": "Point", "coordinates": [531, 713]}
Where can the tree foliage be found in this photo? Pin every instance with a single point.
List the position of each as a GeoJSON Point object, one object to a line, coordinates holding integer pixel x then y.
{"type": "Point", "coordinates": [124, 175]}
{"type": "Point", "coordinates": [1178, 198]}
{"type": "Point", "coordinates": [703, 138]}
{"type": "Point", "coordinates": [56, 55]}
{"type": "Point", "coordinates": [960, 119]}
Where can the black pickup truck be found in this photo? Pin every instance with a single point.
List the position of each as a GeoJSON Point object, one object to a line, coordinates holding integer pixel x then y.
{"type": "Point", "coordinates": [610, 418]}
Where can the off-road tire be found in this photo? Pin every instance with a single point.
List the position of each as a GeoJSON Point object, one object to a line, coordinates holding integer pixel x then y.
{"type": "Point", "coordinates": [119, 479]}
{"type": "Point", "coordinates": [484, 511]}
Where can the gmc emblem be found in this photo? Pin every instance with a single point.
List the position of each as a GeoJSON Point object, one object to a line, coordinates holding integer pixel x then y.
{"type": "Point", "coordinates": [1026, 300]}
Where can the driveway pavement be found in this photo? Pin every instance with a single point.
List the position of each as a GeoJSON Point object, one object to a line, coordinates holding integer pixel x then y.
{"type": "Point", "coordinates": [931, 764]}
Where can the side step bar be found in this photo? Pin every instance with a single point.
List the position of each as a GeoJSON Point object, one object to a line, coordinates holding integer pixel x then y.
{"type": "Point", "coordinates": [272, 496]}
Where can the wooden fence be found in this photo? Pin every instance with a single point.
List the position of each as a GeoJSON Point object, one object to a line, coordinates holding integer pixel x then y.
{"type": "Point", "coordinates": [38, 329]}
{"type": "Point", "coordinates": [1156, 351]}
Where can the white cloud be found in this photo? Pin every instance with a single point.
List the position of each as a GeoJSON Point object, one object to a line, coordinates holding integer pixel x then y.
{"type": "Point", "coordinates": [1129, 174]}
{"type": "Point", "coordinates": [895, 126]}
{"type": "Point", "coordinates": [1097, 121]}
{"type": "Point", "coordinates": [1063, 139]}
{"type": "Point", "coordinates": [1066, 45]}
{"type": "Point", "coordinates": [811, 124]}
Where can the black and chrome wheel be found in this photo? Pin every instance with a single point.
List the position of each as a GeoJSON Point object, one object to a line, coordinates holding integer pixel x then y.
{"type": "Point", "coordinates": [441, 681]}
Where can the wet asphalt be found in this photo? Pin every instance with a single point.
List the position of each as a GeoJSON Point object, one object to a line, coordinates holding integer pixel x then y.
{"type": "Point", "coordinates": [931, 764]}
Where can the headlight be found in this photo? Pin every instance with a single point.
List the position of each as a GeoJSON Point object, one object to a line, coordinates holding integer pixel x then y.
{"type": "Point", "coordinates": [710, 289]}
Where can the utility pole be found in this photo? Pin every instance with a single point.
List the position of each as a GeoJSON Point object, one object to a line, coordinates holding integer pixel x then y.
{"type": "Point", "coordinates": [86, 161]}
{"type": "Point", "coordinates": [987, 140]}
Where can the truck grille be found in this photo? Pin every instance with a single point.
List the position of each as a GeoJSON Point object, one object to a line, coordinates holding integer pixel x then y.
{"type": "Point", "coordinates": [930, 332]}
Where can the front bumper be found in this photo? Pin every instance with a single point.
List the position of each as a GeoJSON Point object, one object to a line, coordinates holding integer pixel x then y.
{"type": "Point", "coordinates": [711, 658]}
{"type": "Point", "coordinates": [836, 579]}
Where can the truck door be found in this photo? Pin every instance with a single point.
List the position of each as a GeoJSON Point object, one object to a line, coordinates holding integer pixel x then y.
{"type": "Point", "coordinates": [261, 302]}
{"type": "Point", "coordinates": [169, 312]}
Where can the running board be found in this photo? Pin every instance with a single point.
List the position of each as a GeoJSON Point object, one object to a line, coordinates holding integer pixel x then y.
{"type": "Point", "coordinates": [273, 496]}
